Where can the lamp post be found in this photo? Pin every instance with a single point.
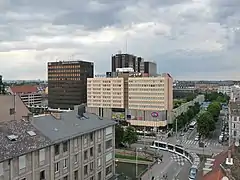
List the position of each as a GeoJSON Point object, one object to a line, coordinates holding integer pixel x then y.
{"type": "Point", "coordinates": [137, 149]}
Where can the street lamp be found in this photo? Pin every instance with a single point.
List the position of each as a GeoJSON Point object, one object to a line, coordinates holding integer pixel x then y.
{"type": "Point", "coordinates": [137, 149]}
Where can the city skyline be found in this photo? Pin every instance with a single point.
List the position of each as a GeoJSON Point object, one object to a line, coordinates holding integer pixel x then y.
{"type": "Point", "coordinates": [192, 40]}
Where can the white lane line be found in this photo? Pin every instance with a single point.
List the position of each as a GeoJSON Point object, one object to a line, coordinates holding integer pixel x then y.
{"type": "Point", "coordinates": [167, 166]}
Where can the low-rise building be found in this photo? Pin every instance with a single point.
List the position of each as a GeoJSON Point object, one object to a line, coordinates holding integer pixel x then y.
{"type": "Point", "coordinates": [29, 94]}
{"type": "Point", "coordinates": [71, 146]}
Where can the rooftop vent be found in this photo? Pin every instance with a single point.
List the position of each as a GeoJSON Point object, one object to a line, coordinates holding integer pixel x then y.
{"type": "Point", "coordinates": [81, 110]}
{"type": "Point", "coordinates": [31, 133]}
{"type": "Point", "coordinates": [12, 137]}
{"type": "Point", "coordinates": [55, 129]}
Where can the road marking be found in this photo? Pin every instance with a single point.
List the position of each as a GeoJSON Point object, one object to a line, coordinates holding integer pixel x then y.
{"type": "Point", "coordinates": [167, 166]}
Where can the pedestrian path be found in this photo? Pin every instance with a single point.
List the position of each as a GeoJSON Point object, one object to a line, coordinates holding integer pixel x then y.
{"type": "Point", "coordinates": [190, 143]}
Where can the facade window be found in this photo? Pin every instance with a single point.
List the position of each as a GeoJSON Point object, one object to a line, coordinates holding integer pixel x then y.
{"type": "Point", "coordinates": [65, 178]}
{"type": "Point", "coordinates": [109, 144]}
{"type": "Point", "coordinates": [91, 137]}
{"type": "Point", "coordinates": [91, 166]}
{"type": "Point", "coordinates": [99, 134]}
{"type": "Point", "coordinates": [99, 176]}
{"type": "Point", "coordinates": [99, 148]}
{"type": "Point", "coordinates": [65, 146]}
{"type": "Point", "coordinates": [75, 175]}
{"type": "Point", "coordinates": [1, 169]}
{"type": "Point", "coordinates": [91, 151]}
{"type": "Point", "coordinates": [42, 175]}
{"type": "Point", "coordinates": [75, 142]}
{"type": "Point", "coordinates": [64, 163]}
{"type": "Point", "coordinates": [92, 178]}
{"type": "Point", "coordinates": [85, 170]}
{"type": "Point", "coordinates": [85, 139]}
{"type": "Point", "coordinates": [234, 133]}
{"type": "Point", "coordinates": [234, 125]}
{"type": "Point", "coordinates": [56, 167]}
{"type": "Point", "coordinates": [75, 158]}
{"type": "Point", "coordinates": [99, 162]}
{"type": "Point", "coordinates": [85, 155]}
{"type": "Point", "coordinates": [57, 149]}
{"type": "Point", "coordinates": [23, 179]}
{"type": "Point", "coordinates": [41, 155]}
{"type": "Point", "coordinates": [108, 170]}
{"type": "Point", "coordinates": [109, 156]}
{"type": "Point", "coordinates": [22, 162]}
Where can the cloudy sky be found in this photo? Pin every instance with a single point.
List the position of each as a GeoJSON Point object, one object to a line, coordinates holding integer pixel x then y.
{"type": "Point", "coordinates": [190, 39]}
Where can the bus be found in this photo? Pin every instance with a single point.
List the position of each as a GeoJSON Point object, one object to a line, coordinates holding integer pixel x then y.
{"type": "Point", "coordinates": [192, 125]}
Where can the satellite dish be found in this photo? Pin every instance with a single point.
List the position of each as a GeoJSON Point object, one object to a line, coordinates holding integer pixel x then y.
{"type": "Point", "coordinates": [237, 143]}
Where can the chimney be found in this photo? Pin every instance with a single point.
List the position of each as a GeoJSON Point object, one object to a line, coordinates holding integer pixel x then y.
{"type": "Point", "coordinates": [81, 110]}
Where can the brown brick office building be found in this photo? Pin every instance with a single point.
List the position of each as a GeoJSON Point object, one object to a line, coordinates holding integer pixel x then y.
{"type": "Point", "coordinates": [67, 83]}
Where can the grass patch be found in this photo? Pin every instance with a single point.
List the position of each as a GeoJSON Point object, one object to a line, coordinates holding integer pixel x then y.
{"type": "Point", "coordinates": [120, 156]}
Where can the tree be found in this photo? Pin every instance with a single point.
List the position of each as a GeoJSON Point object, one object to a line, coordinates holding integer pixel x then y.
{"type": "Point", "coordinates": [119, 133]}
{"type": "Point", "coordinates": [214, 108]}
{"type": "Point", "coordinates": [130, 136]}
{"type": "Point", "coordinates": [205, 124]}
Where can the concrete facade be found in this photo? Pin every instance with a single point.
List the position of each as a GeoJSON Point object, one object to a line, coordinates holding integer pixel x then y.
{"type": "Point", "coordinates": [84, 156]}
{"type": "Point", "coordinates": [142, 101]}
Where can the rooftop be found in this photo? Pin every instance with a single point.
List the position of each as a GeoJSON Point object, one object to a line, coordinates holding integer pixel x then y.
{"type": "Point", "coordinates": [25, 89]}
{"type": "Point", "coordinates": [19, 137]}
{"type": "Point", "coordinates": [67, 125]}
{"type": "Point", "coordinates": [7, 105]}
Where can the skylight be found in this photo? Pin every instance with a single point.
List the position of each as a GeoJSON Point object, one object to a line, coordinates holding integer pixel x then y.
{"type": "Point", "coordinates": [12, 137]}
{"type": "Point", "coordinates": [31, 133]}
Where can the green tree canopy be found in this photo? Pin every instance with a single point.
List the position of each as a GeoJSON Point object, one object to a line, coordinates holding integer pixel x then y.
{"type": "Point", "coordinates": [119, 133]}
{"type": "Point", "coordinates": [205, 124]}
{"type": "Point", "coordinates": [130, 136]}
{"type": "Point", "coordinates": [214, 108]}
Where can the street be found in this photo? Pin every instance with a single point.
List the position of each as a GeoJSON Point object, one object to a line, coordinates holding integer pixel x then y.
{"type": "Point", "coordinates": [174, 166]}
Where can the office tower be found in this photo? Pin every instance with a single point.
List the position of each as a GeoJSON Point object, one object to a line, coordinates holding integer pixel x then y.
{"type": "Point", "coordinates": [127, 60]}
{"type": "Point", "coordinates": [150, 68]}
{"type": "Point", "coordinates": [67, 83]}
{"type": "Point", "coordinates": [143, 101]}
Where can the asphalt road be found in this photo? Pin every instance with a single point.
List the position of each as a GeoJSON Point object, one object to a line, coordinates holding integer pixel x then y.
{"type": "Point", "coordinates": [171, 165]}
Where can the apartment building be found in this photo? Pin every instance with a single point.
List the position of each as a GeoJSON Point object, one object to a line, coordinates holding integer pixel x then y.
{"type": "Point", "coordinates": [142, 101]}
{"type": "Point", "coordinates": [67, 83]}
{"type": "Point", "coordinates": [28, 93]}
{"type": "Point", "coordinates": [67, 146]}
{"type": "Point", "coordinates": [225, 90]}
{"type": "Point", "coordinates": [234, 120]}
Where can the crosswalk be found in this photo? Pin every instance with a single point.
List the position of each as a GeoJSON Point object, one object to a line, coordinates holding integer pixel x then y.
{"type": "Point", "coordinates": [190, 143]}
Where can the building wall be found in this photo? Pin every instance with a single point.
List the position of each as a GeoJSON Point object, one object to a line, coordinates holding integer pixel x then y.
{"type": "Point", "coordinates": [105, 92]}
{"type": "Point", "coordinates": [150, 93]}
{"type": "Point", "coordinates": [31, 99]}
{"type": "Point", "coordinates": [225, 90]}
{"type": "Point", "coordinates": [74, 157]}
{"type": "Point", "coordinates": [67, 83]}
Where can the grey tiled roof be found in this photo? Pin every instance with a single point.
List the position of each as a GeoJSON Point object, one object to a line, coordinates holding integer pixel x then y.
{"type": "Point", "coordinates": [24, 143]}
{"type": "Point", "coordinates": [69, 125]}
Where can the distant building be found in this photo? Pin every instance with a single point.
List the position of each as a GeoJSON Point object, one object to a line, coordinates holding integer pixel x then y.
{"type": "Point", "coordinates": [225, 90]}
{"type": "Point", "coordinates": [142, 101]}
{"type": "Point", "coordinates": [206, 86]}
{"type": "Point", "coordinates": [67, 83]}
{"type": "Point", "coordinates": [29, 94]}
{"type": "Point", "coordinates": [69, 146]}
{"type": "Point", "coordinates": [150, 68]}
{"type": "Point", "coordinates": [127, 61]}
